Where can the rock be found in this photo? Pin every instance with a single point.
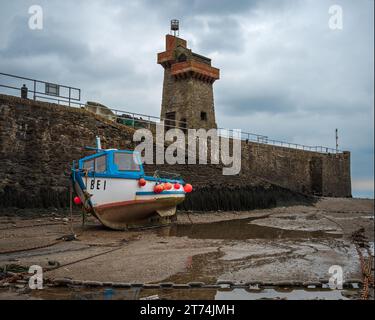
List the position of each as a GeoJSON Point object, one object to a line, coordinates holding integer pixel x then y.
{"type": "Point", "coordinates": [349, 293]}
{"type": "Point", "coordinates": [312, 284]}
{"type": "Point", "coordinates": [196, 284]}
{"type": "Point", "coordinates": [153, 297]}
{"type": "Point", "coordinates": [252, 283]}
{"type": "Point", "coordinates": [93, 283]}
{"type": "Point", "coordinates": [108, 284]}
{"type": "Point", "coordinates": [62, 281]}
{"type": "Point", "coordinates": [212, 286]}
{"type": "Point", "coordinates": [21, 282]}
{"type": "Point", "coordinates": [121, 285]}
{"type": "Point", "coordinates": [254, 288]}
{"type": "Point", "coordinates": [350, 282]}
{"type": "Point", "coordinates": [227, 282]}
{"type": "Point", "coordinates": [296, 283]}
{"type": "Point", "coordinates": [166, 285]}
{"type": "Point", "coordinates": [151, 286]}
{"type": "Point", "coordinates": [181, 286]}
{"type": "Point", "coordinates": [268, 284]}
{"type": "Point", "coordinates": [19, 286]}
{"type": "Point", "coordinates": [137, 285]}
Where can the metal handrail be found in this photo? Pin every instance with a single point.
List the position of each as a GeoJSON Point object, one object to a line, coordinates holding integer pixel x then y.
{"type": "Point", "coordinates": [68, 97]}
{"type": "Point", "coordinates": [246, 136]}
{"type": "Point", "coordinates": [152, 120]}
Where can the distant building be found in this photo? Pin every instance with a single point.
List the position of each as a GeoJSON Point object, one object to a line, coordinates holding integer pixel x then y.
{"type": "Point", "coordinates": [100, 109]}
{"type": "Point", "coordinates": [188, 99]}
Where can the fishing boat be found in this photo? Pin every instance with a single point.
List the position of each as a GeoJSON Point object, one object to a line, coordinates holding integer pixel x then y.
{"type": "Point", "coordinates": [111, 185]}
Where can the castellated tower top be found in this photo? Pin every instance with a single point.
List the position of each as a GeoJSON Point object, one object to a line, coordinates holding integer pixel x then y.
{"type": "Point", "coordinates": [188, 86]}
{"type": "Point", "coordinates": [182, 60]}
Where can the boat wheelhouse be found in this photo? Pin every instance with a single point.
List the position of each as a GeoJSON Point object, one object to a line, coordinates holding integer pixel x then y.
{"type": "Point", "coordinates": [112, 185]}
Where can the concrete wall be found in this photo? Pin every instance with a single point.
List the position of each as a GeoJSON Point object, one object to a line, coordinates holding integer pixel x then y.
{"type": "Point", "coordinates": [39, 141]}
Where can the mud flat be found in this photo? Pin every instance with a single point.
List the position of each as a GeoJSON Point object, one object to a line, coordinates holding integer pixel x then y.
{"type": "Point", "coordinates": [273, 246]}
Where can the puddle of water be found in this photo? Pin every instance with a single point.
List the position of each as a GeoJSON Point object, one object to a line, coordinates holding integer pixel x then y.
{"type": "Point", "coordinates": [275, 294]}
{"type": "Point", "coordinates": [193, 294]}
{"type": "Point", "coordinates": [239, 229]}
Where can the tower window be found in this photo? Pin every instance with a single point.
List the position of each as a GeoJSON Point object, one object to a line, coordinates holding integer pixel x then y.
{"type": "Point", "coordinates": [182, 57]}
{"type": "Point", "coordinates": [204, 116]}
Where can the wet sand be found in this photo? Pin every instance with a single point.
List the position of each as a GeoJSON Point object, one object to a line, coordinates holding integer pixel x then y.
{"type": "Point", "coordinates": [280, 244]}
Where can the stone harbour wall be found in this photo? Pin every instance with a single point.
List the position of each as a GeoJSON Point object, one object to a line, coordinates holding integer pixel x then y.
{"type": "Point", "coordinates": [302, 171]}
{"type": "Point", "coordinates": [39, 141]}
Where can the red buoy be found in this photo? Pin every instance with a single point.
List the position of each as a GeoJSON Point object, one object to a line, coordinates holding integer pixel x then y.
{"type": "Point", "coordinates": [158, 188]}
{"type": "Point", "coordinates": [168, 186]}
{"type": "Point", "coordinates": [142, 182]}
{"type": "Point", "coordinates": [77, 201]}
{"type": "Point", "coordinates": [177, 186]}
{"type": "Point", "coordinates": [188, 188]}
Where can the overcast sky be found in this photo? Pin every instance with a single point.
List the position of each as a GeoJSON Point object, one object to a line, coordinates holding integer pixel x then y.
{"type": "Point", "coordinates": [284, 72]}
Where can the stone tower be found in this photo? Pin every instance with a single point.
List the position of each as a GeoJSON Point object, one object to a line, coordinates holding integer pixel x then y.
{"type": "Point", "coordinates": [187, 88]}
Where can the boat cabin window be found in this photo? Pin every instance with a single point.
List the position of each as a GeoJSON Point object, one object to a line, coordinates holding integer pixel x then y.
{"type": "Point", "coordinates": [88, 165]}
{"type": "Point", "coordinates": [101, 164]}
{"type": "Point", "coordinates": [98, 164]}
{"type": "Point", "coordinates": [125, 162]}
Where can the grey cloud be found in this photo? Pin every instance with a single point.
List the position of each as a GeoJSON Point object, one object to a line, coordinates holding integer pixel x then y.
{"type": "Point", "coordinates": [223, 35]}
{"type": "Point", "coordinates": [181, 8]}
{"type": "Point", "coordinates": [26, 43]}
{"type": "Point", "coordinates": [284, 73]}
{"type": "Point", "coordinates": [266, 102]}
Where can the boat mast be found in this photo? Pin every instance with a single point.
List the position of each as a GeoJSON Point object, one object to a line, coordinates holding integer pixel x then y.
{"type": "Point", "coordinates": [98, 144]}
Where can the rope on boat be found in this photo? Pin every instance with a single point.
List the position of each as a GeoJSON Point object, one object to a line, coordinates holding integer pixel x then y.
{"type": "Point", "coordinates": [13, 277]}
{"type": "Point", "coordinates": [84, 259]}
{"type": "Point", "coordinates": [32, 248]}
{"type": "Point", "coordinates": [64, 238]}
{"type": "Point", "coordinates": [188, 215]}
{"type": "Point", "coordinates": [87, 197]}
{"type": "Point", "coordinates": [71, 208]}
{"type": "Point", "coordinates": [33, 225]}
{"type": "Point", "coordinates": [71, 236]}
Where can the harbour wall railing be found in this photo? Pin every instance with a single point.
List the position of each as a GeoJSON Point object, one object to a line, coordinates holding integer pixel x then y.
{"type": "Point", "coordinates": [71, 96]}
